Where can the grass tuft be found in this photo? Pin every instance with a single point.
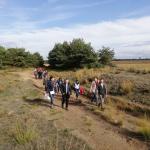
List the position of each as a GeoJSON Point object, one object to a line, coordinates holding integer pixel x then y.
{"type": "Point", "coordinates": [23, 133]}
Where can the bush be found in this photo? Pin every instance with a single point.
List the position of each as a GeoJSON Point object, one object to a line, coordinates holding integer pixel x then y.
{"type": "Point", "coordinates": [145, 132]}
{"type": "Point", "coordinates": [126, 87]}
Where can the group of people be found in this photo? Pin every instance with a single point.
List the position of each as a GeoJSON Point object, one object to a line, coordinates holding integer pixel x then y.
{"type": "Point", "coordinates": [40, 73]}
{"type": "Point", "coordinates": [53, 86]}
{"type": "Point", "coordinates": [98, 90]}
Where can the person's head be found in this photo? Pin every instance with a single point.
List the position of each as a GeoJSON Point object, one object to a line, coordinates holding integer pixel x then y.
{"type": "Point", "coordinates": [63, 81]}
{"type": "Point", "coordinates": [95, 79]}
{"type": "Point", "coordinates": [51, 78]}
{"type": "Point", "coordinates": [77, 81]}
{"type": "Point", "coordinates": [66, 81]}
{"type": "Point", "coordinates": [102, 80]}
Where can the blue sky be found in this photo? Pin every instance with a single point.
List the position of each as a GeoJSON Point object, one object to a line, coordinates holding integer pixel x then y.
{"type": "Point", "coordinates": [38, 24]}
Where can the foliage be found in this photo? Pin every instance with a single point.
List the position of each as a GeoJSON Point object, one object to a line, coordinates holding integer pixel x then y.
{"type": "Point", "coordinates": [106, 55]}
{"type": "Point", "coordinates": [19, 57]}
{"type": "Point", "coordinates": [75, 54]}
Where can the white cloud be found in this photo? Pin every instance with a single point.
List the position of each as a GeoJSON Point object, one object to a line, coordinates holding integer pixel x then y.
{"type": "Point", "coordinates": [82, 6]}
{"type": "Point", "coordinates": [129, 37]}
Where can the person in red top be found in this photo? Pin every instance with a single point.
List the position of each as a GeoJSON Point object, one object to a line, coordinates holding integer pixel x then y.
{"type": "Point", "coordinates": [81, 90]}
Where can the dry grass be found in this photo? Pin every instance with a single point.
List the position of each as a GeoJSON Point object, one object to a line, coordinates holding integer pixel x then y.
{"type": "Point", "coordinates": [134, 66]}
{"type": "Point", "coordinates": [134, 109]}
{"type": "Point", "coordinates": [27, 126]}
{"type": "Point", "coordinates": [110, 114]}
{"type": "Point", "coordinates": [87, 120]}
{"type": "Point", "coordinates": [81, 73]}
{"type": "Point", "coordinates": [24, 133]}
{"type": "Point", "coordinates": [126, 86]}
{"type": "Point", "coordinates": [144, 127]}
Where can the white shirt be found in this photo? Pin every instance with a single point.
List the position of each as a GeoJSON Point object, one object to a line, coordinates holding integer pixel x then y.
{"type": "Point", "coordinates": [77, 86]}
{"type": "Point", "coordinates": [66, 88]}
{"type": "Point", "coordinates": [102, 84]}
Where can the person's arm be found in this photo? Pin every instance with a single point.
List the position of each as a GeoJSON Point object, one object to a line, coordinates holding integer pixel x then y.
{"type": "Point", "coordinates": [70, 90]}
{"type": "Point", "coordinates": [106, 90]}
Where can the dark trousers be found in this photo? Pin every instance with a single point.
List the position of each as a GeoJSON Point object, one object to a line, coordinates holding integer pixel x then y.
{"type": "Point", "coordinates": [77, 92]}
{"type": "Point", "coordinates": [93, 97]}
{"type": "Point", "coordinates": [65, 100]}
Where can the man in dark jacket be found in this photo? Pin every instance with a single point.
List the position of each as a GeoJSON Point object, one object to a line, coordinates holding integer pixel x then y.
{"type": "Point", "coordinates": [66, 92]}
{"type": "Point", "coordinates": [102, 93]}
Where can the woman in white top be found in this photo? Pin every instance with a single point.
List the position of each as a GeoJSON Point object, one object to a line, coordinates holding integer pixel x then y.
{"type": "Point", "coordinates": [77, 88]}
{"type": "Point", "coordinates": [93, 90]}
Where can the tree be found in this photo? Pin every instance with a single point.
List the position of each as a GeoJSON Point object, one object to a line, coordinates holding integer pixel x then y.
{"type": "Point", "coordinates": [106, 55]}
{"type": "Point", "coordinates": [37, 60]}
{"type": "Point", "coordinates": [19, 57]}
{"type": "Point", "coordinates": [75, 54]}
{"type": "Point", "coordinates": [2, 55]}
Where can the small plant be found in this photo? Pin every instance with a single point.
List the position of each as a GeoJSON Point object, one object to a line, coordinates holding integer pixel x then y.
{"type": "Point", "coordinates": [144, 127]}
{"type": "Point", "coordinates": [24, 134]}
{"type": "Point", "coordinates": [88, 121]}
{"type": "Point", "coordinates": [145, 132]}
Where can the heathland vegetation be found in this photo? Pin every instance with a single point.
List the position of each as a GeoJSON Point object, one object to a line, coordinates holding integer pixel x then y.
{"type": "Point", "coordinates": [27, 122]}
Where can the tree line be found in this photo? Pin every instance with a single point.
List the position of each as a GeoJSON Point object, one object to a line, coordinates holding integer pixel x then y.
{"type": "Point", "coordinates": [66, 55]}
{"type": "Point", "coordinates": [19, 57]}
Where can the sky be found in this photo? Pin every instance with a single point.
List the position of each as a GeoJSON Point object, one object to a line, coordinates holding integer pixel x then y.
{"type": "Point", "coordinates": [123, 25]}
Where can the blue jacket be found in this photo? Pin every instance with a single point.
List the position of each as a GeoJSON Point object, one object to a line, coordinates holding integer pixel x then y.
{"type": "Point", "coordinates": [50, 85]}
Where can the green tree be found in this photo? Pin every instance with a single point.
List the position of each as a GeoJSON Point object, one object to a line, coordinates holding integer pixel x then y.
{"type": "Point", "coordinates": [37, 60]}
{"type": "Point", "coordinates": [106, 55]}
{"type": "Point", "coordinates": [20, 58]}
{"type": "Point", "coordinates": [2, 55]}
{"type": "Point", "coordinates": [75, 54]}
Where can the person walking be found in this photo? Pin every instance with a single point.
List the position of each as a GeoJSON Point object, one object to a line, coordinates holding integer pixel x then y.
{"type": "Point", "coordinates": [35, 73]}
{"type": "Point", "coordinates": [50, 89]}
{"type": "Point", "coordinates": [102, 93]}
{"type": "Point", "coordinates": [45, 79]}
{"type": "Point", "coordinates": [59, 83]}
{"type": "Point", "coordinates": [77, 89]}
{"type": "Point", "coordinates": [94, 91]}
{"type": "Point", "coordinates": [66, 92]}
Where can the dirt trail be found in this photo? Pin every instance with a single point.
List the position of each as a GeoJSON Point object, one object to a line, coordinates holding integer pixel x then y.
{"type": "Point", "coordinates": [95, 131]}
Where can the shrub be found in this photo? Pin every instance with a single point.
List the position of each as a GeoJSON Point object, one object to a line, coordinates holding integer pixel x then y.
{"type": "Point", "coordinates": [133, 70]}
{"type": "Point", "coordinates": [144, 71]}
{"type": "Point", "coordinates": [145, 132]}
{"type": "Point", "coordinates": [126, 87]}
